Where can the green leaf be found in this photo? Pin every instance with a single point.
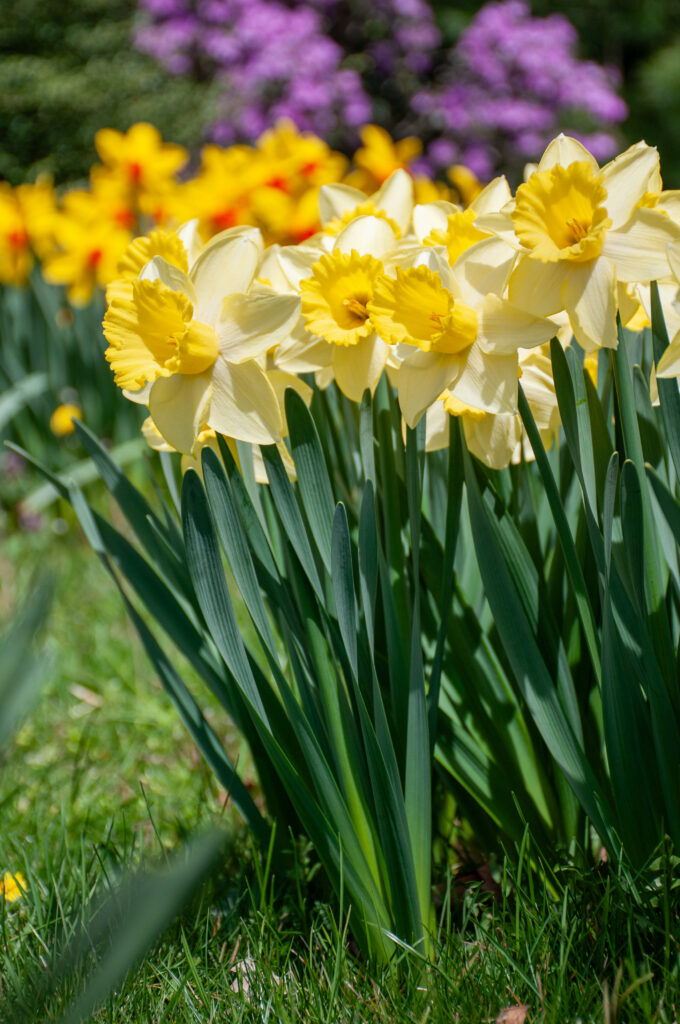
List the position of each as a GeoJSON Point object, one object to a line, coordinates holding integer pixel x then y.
{"type": "Point", "coordinates": [288, 511]}
{"type": "Point", "coordinates": [533, 678]}
{"type": "Point", "coordinates": [343, 585]}
{"type": "Point", "coordinates": [207, 574]}
{"type": "Point", "coordinates": [669, 396]}
{"type": "Point", "coordinates": [235, 544]}
{"type": "Point", "coordinates": [312, 474]}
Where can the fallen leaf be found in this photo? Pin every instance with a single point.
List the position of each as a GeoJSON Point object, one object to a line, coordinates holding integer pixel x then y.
{"type": "Point", "coordinates": [512, 1015]}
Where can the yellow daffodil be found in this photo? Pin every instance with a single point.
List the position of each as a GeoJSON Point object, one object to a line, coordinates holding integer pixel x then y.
{"type": "Point", "coordinates": [88, 245]}
{"type": "Point", "coordinates": [455, 333]}
{"type": "Point", "coordinates": [12, 886]}
{"type": "Point", "coordinates": [466, 183]}
{"type": "Point", "coordinates": [39, 207]}
{"type": "Point", "coordinates": [191, 346]}
{"type": "Point", "coordinates": [336, 299]}
{"type": "Point", "coordinates": [139, 163]}
{"type": "Point", "coordinates": [579, 231]}
{"type": "Point", "coordinates": [380, 156]}
{"type": "Point", "coordinates": [61, 420]}
{"type": "Point", "coordinates": [15, 251]}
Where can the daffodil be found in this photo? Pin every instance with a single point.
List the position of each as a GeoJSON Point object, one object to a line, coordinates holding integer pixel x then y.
{"type": "Point", "coordinates": [443, 223]}
{"type": "Point", "coordinates": [89, 241]}
{"type": "Point", "coordinates": [380, 156]}
{"type": "Point", "coordinates": [580, 231]}
{"type": "Point", "coordinates": [190, 346]}
{"type": "Point", "coordinates": [15, 251]}
{"type": "Point", "coordinates": [393, 202]}
{"type": "Point", "coordinates": [12, 886]}
{"type": "Point", "coordinates": [335, 303]}
{"type": "Point", "coordinates": [140, 164]}
{"type": "Point", "coordinates": [456, 334]}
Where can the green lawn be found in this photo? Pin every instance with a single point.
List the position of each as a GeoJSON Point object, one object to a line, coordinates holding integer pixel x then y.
{"type": "Point", "coordinates": [102, 776]}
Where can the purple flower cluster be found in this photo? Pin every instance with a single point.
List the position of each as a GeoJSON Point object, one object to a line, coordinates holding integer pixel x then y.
{"type": "Point", "coordinates": [494, 100]}
{"type": "Point", "coordinates": [513, 82]}
{"type": "Point", "coordinates": [273, 61]}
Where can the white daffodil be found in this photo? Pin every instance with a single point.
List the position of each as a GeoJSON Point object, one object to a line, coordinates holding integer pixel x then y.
{"type": "Point", "coordinates": [462, 335]}
{"type": "Point", "coordinates": [335, 299]}
{"type": "Point", "coordinates": [393, 202]}
{"type": "Point", "coordinates": [190, 345]}
{"type": "Point", "coordinates": [581, 230]}
{"type": "Point", "coordinates": [498, 440]}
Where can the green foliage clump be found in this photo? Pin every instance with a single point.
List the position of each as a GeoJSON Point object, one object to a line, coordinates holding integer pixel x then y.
{"type": "Point", "coordinates": [67, 70]}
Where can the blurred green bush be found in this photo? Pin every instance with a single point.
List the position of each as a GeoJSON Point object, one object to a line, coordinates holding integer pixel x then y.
{"type": "Point", "coordinates": [69, 68]}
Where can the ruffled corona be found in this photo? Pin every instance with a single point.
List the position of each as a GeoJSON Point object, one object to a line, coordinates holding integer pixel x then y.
{"type": "Point", "coordinates": [459, 236]}
{"type": "Point", "coordinates": [367, 209]}
{"type": "Point", "coordinates": [416, 309]}
{"type": "Point", "coordinates": [560, 213]}
{"type": "Point", "coordinates": [151, 334]}
{"type": "Point", "coordinates": [335, 298]}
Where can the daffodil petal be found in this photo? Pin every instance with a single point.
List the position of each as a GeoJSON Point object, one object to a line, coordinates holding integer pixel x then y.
{"type": "Point", "coordinates": [190, 238]}
{"type": "Point", "coordinates": [422, 378]}
{"type": "Point", "coordinates": [493, 196]}
{"type": "Point", "coordinates": [178, 407]}
{"type": "Point", "coordinates": [564, 150]}
{"type": "Point", "coordinates": [673, 254]}
{"type": "Point", "coordinates": [223, 268]}
{"type": "Point", "coordinates": [139, 397]}
{"type": "Point", "coordinates": [484, 267]}
{"type": "Point", "coordinates": [669, 364]}
{"type": "Point", "coordinates": [428, 217]}
{"type": "Point", "coordinates": [639, 248]}
{"type": "Point", "coordinates": [537, 286]}
{"type": "Point", "coordinates": [158, 269]}
{"type": "Point", "coordinates": [369, 236]}
{"type": "Point", "coordinates": [395, 198]}
{"type": "Point", "coordinates": [487, 381]}
{"type": "Point", "coordinates": [244, 403]}
{"type": "Point", "coordinates": [436, 427]}
{"type": "Point", "coordinates": [590, 300]}
{"type": "Point", "coordinates": [297, 261]}
{"type": "Point", "coordinates": [504, 328]}
{"type": "Point", "coordinates": [627, 178]}
{"type": "Point", "coordinates": [281, 382]}
{"type": "Point", "coordinates": [252, 324]}
{"type": "Point", "coordinates": [335, 200]}
{"type": "Point", "coordinates": [357, 367]}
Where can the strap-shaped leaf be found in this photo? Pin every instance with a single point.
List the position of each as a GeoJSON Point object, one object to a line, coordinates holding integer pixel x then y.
{"type": "Point", "coordinates": [283, 497]}
{"type": "Point", "coordinates": [669, 395]}
{"type": "Point", "coordinates": [313, 481]}
{"type": "Point", "coordinates": [235, 544]}
{"type": "Point", "coordinates": [368, 560]}
{"type": "Point", "coordinates": [519, 644]}
{"type": "Point", "coordinates": [207, 575]}
{"type": "Point", "coordinates": [343, 585]}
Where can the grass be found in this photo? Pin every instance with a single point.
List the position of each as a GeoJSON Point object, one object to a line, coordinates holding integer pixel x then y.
{"type": "Point", "coordinates": [102, 778]}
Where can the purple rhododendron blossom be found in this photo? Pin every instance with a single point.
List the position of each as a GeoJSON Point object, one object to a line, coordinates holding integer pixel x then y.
{"type": "Point", "coordinates": [512, 83]}
{"type": "Point", "coordinates": [493, 101]}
